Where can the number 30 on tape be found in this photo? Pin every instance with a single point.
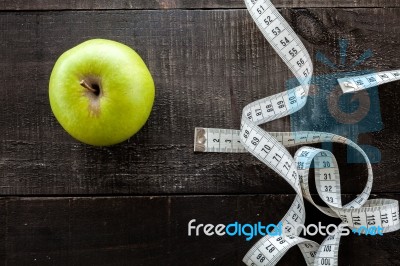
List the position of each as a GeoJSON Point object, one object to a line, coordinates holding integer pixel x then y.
{"type": "Point", "coordinates": [270, 148]}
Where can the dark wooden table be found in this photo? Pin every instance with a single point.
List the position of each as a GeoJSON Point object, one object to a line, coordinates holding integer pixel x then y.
{"type": "Point", "coordinates": [66, 203]}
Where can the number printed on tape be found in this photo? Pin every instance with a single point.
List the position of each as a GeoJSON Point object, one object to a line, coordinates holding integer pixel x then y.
{"type": "Point", "coordinates": [270, 148]}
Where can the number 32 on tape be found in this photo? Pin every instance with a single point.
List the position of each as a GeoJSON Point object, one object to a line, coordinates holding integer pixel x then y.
{"type": "Point", "coordinates": [271, 149]}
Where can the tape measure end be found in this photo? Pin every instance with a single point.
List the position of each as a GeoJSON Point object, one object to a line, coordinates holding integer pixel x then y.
{"type": "Point", "coordinates": [346, 85]}
{"type": "Point", "coordinates": [199, 139]}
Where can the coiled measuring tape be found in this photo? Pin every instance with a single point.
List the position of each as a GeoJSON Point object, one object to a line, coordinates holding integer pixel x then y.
{"type": "Point", "coordinates": [270, 148]}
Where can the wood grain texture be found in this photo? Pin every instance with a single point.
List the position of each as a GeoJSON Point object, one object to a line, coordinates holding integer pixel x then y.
{"type": "Point", "coordinates": [153, 231]}
{"type": "Point", "coordinates": [207, 66]}
{"type": "Point", "coordinates": [181, 4]}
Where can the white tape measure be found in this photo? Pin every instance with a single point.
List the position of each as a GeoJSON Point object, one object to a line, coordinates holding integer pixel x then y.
{"type": "Point", "coordinates": [353, 84]}
{"type": "Point", "coordinates": [270, 149]}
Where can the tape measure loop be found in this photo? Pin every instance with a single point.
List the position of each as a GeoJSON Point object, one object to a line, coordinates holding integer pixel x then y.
{"type": "Point", "coordinates": [361, 215]}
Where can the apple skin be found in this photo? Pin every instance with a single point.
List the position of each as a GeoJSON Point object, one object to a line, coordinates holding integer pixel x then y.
{"type": "Point", "coordinates": [117, 99]}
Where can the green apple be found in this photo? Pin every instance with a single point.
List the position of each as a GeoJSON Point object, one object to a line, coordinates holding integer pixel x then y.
{"type": "Point", "coordinates": [101, 92]}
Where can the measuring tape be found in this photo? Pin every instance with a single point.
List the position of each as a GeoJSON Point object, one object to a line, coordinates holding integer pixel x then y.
{"type": "Point", "coordinates": [270, 148]}
{"type": "Point", "coordinates": [353, 84]}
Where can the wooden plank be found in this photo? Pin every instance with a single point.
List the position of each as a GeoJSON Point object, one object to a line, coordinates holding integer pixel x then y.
{"type": "Point", "coordinates": [153, 230]}
{"type": "Point", "coordinates": [207, 66]}
{"type": "Point", "coordinates": [178, 4]}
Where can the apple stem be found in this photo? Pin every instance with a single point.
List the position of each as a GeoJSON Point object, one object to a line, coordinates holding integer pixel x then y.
{"type": "Point", "coordinates": [87, 86]}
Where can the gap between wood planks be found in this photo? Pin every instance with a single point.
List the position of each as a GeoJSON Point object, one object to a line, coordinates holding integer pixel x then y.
{"type": "Point", "coordinates": [52, 5]}
{"type": "Point", "coordinates": [188, 195]}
